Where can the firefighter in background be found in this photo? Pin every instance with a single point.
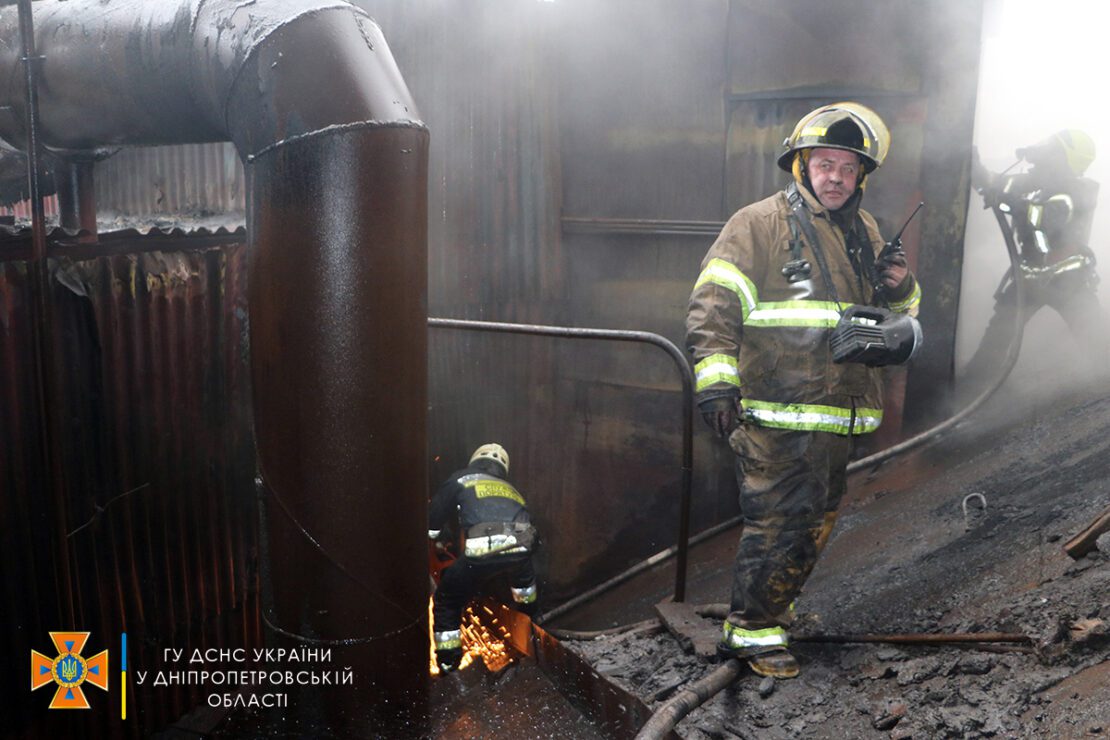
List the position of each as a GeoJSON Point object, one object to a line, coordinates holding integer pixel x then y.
{"type": "Point", "coordinates": [1050, 208]}
{"type": "Point", "coordinates": [497, 543]}
{"type": "Point", "coordinates": [771, 295]}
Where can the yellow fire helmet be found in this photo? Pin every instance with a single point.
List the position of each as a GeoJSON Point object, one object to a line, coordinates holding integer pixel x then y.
{"type": "Point", "coordinates": [849, 126]}
{"type": "Point", "coordinates": [1078, 147]}
{"type": "Point", "coordinates": [492, 451]}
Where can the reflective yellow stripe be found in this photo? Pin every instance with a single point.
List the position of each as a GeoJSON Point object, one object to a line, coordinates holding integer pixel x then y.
{"type": "Point", "coordinates": [812, 417]}
{"type": "Point", "coordinates": [716, 369]}
{"type": "Point", "coordinates": [738, 637]}
{"type": "Point", "coordinates": [809, 314]}
{"type": "Point", "coordinates": [485, 488]}
{"type": "Point", "coordinates": [910, 303]}
{"type": "Point", "coordinates": [728, 276]}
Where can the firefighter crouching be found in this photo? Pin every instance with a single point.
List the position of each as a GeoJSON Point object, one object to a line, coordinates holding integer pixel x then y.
{"type": "Point", "coordinates": [497, 543]}
{"type": "Point", "coordinates": [783, 280]}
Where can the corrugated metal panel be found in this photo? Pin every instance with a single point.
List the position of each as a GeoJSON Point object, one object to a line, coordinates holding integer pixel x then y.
{"type": "Point", "coordinates": [182, 180]}
{"type": "Point", "coordinates": [158, 518]}
{"type": "Point", "coordinates": [22, 209]}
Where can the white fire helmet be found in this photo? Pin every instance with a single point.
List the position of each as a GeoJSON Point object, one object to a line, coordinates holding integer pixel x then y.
{"type": "Point", "coordinates": [492, 451]}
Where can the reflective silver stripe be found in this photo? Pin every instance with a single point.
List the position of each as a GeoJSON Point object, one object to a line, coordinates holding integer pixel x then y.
{"type": "Point", "coordinates": [448, 640]}
{"type": "Point", "coordinates": [476, 547]}
{"type": "Point", "coordinates": [1042, 243]}
{"type": "Point", "coordinates": [717, 369]}
{"type": "Point", "coordinates": [738, 637]}
{"type": "Point", "coordinates": [795, 313]}
{"type": "Point", "coordinates": [1034, 214]}
{"type": "Point", "coordinates": [433, 533]}
{"type": "Point", "coordinates": [524, 595]}
{"type": "Point", "coordinates": [812, 417]}
{"type": "Point", "coordinates": [727, 275]}
{"type": "Point", "coordinates": [910, 303]}
{"type": "Point", "coordinates": [1066, 200]}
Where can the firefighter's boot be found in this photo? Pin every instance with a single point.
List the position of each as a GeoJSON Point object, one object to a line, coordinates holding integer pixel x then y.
{"type": "Point", "coordinates": [448, 660]}
{"type": "Point", "coordinates": [764, 649]}
{"type": "Point", "coordinates": [778, 663]}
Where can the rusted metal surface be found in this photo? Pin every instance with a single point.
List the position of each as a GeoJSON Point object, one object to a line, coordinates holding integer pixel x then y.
{"type": "Point", "coordinates": [337, 238]}
{"type": "Point", "coordinates": [650, 226]}
{"type": "Point", "coordinates": [946, 164]}
{"type": "Point", "coordinates": [76, 196]}
{"type": "Point", "coordinates": [617, 712]}
{"type": "Point", "coordinates": [158, 523]}
{"type": "Point", "coordinates": [339, 353]}
{"type": "Point", "coordinates": [1084, 541]}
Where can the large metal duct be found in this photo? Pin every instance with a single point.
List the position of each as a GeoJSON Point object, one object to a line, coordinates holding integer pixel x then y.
{"type": "Point", "coordinates": [337, 163]}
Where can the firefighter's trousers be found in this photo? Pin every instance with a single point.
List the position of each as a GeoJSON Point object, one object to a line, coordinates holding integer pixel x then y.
{"type": "Point", "coordinates": [789, 482]}
{"type": "Point", "coordinates": [1072, 295]}
{"type": "Point", "coordinates": [469, 577]}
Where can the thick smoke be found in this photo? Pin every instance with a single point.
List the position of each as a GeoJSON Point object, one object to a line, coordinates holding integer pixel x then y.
{"type": "Point", "coordinates": [1041, 71]}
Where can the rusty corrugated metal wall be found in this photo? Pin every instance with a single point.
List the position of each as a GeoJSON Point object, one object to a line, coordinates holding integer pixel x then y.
{"type": "Point", "coordinates": [157, 519]}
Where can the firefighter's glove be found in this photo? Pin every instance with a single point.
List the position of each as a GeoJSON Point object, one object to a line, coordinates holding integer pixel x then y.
{"type": "Point", "coordinates": [443, 551]}
{"type": "Point", "coordinates": [722, 414]}
{"type": "Point", "coordinates": [893, 269]}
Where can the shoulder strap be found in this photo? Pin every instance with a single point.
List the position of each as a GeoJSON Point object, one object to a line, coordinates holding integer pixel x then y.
{"type": "Point", "coordinates": [867, 261]}
{"type": "Point", "coordinates": [800, 213]}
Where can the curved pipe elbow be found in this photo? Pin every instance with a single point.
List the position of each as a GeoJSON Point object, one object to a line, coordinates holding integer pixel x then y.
{"type": "Point", "coordinates": [150, 73]}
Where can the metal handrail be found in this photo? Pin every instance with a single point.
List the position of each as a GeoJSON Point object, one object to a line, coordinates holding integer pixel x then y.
{"type": "Point", "coordinates": [687, 377]}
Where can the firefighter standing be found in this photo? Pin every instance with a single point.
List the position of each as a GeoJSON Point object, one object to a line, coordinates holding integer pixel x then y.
{"type": "Point", "coordinates": [1050, 210]}
{"type": "Point", "coordinates": [772, 289]}
{"type": "Point", "coordinates": [498, 542]}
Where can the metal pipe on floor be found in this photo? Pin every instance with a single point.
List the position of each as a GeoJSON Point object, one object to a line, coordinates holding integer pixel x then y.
{"type": "Point", "coordinates": [690, 698]}
{"type": "Point", "coordinates": [920, 638]}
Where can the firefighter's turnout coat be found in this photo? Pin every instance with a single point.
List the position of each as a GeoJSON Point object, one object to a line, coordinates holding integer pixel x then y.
{"type": "Point", "coordinates": [754, 333]}
{"type": "Point", "coordinates": [491, 514]}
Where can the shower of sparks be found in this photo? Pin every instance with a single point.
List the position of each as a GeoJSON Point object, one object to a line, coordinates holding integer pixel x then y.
{"type": "Point", "coordinates": [484, 638]}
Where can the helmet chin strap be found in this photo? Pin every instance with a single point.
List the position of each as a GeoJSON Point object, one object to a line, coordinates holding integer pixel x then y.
{"type": "Point", "coordinates": [801, 161]}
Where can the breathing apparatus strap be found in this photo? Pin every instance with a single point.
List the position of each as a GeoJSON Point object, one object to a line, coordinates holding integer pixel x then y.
{"type": "Point", "coordinates": [801, 216]}
{"type": "Point", "coordinates": [865, 265]}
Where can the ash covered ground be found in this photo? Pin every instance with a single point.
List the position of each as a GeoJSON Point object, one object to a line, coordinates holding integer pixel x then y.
{"type": "Point", "coordinates": [905, 559]}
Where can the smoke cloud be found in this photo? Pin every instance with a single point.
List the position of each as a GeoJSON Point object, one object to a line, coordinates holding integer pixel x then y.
{"type": "Point", "coordinates": [1040, 71]}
